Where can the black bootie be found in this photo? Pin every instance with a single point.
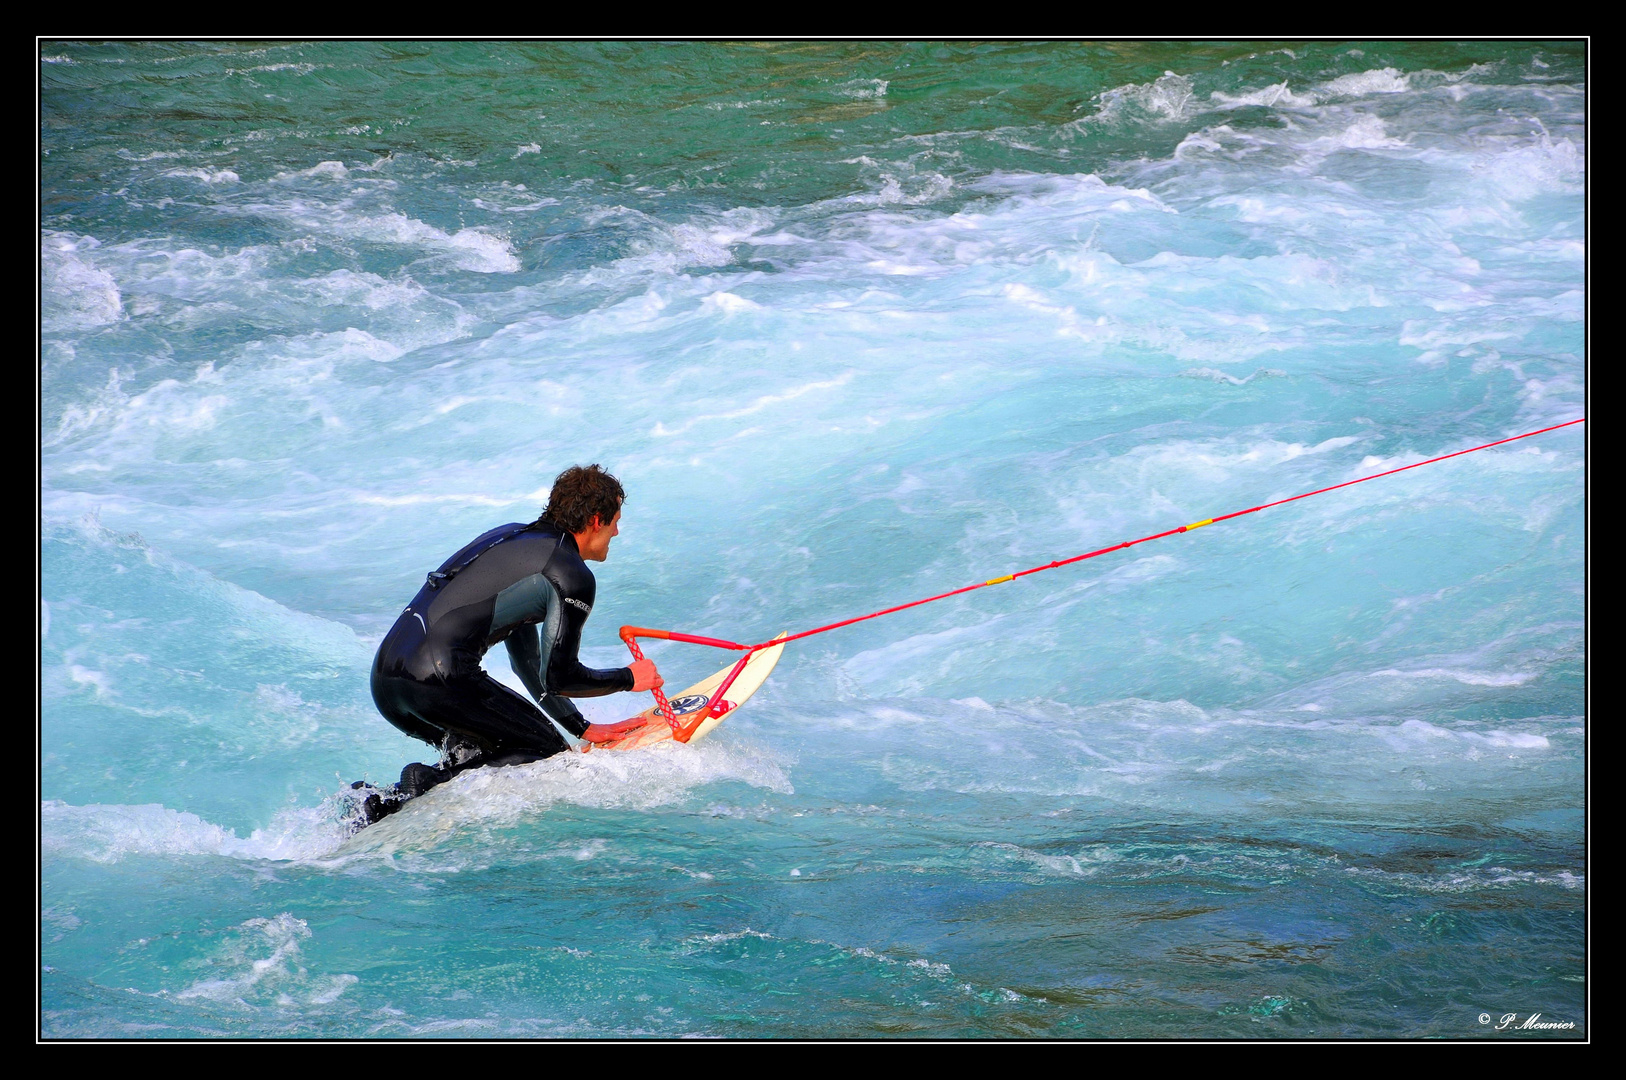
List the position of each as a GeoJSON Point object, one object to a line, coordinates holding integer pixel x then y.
{"type": "Point", "coordinates": [374, 804]}
{"type": "Point", "coordinates": [418, 778]}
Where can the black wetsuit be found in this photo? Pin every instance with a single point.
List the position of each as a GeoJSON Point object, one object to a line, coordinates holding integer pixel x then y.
{"type": "Point", "coordinates": [507, 585]}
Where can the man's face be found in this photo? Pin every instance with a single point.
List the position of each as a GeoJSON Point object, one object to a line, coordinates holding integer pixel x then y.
{"type": "Point", "coordinates": [594, 541]}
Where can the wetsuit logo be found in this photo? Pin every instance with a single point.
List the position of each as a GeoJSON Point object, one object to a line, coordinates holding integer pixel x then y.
{"type": "Point", "coordinates": [577, 603]}
{"type": "Point", "coordinates": [688, 703]}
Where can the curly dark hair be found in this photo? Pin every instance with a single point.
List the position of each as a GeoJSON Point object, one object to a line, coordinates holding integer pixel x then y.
{"type": "Point", "coordinates": [580, 494]}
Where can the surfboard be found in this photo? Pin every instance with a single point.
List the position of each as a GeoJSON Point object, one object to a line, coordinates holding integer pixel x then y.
{"type": "Point", "coordinates": [696, 698]}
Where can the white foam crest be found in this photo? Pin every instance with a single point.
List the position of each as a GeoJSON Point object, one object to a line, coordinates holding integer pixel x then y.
{"type": "Point", "coordinates": [347, 287]}
{"type": "Point", "coordinates": [469, 249]}
{"type": "Point", "coordinates": [1379, 81]}
{"type": "Point", "coordinates": [1172, 754]}
{"type": "Point", "coordinates": [1412, 733]}
{"type": "Point", "coordinates": [169, 405]}
{"type": "Point", "coordinates": [1215, 375]}
{"type": "Point", "coordinates": [293, 367]}
{"type": "Point", "coordinates": [913, 653]}
{"type": "Point", "coordinates": [659, 248]}
{"type": "Point", "coordinates": [922, 189]}
{"type": "Point", "coordinates": [1221, 309]}
{"type": "Point", "coordinates": [1467, 678]}
{"type": "Point", "coordinates": [1219, 860]}
{"type": "Point", "coordinates": [1019, 228]}
{"type": "Point", "coordinates": [109, 834]}
{"type": "Point", "coordinates": [1363, 133]}
{"type": "Point", "coordinates": [1530, 168]}
{"type": "Point", "coordinates": [1477, 879]}
{"type": "Point", "coordinates": [507, 197]}
{"type": "Point", "coordinates": [916, 967]}
{"type": "Point", "coordinates": [863, 89]}
{"type": "Point", "coordinates": [190, 275]}
{"type": "Point", "coordinates": [1075, 192]}
{"type": "Point", "coordinates": [96, 680]}
{"type": "Point", "coordinates": [1551, 401]}
{"type": "Point", "coordinates": [1436, 339]}
{"type": "Point", "coordinates": [1293, 212]}
{"type": "Point", "coordinates": [294, 371]}
{"type": "Point", "coordinates": [297, 68]}
{"type": "Point", "coordinates": [727, 936]}
{"type": "Point", "coordinates": [757, 405]}
{"type": "Point", "coordinates": [1514, 659]}
{"type": "Point", "coordinates": [207, 176]}
{"type": "Point", "coordinates": [350, 344]}
{"type": "Point", "coordinates": [662, 775]}
{"type": "Point", "coordinates": [1218, 461]}
{"type": "Point", "coordinates": [473, 249]}
{"type": "Point", "coordinates": [1056, 865]}
{"type": "Point", "coordinates": [166, 407]}
{"type": "Point", "coordinates": [726, 303]}
{"type": "Point", "coordinates": [1502, 463]}
{"type": "Point", "coordinates": [1277, 95]}
{"type": "Point", "coordinates": [186, 288]}
{"type": "Point", "coordinates": [1485, 172]}
{"type": "Point", "coordinates": [75, 294]}
{"type": "Point", "coordinates": [153, 155]}
{"type": "Point", "coordinates": [719, 106]}
{"type": "Point", "coordinates": [1517, 740]}
{"type": "Point", "coordinates": [263, 964]}
{"type": "Point", "coordinates": [1169, 97]}
{"type": "Point", "coordinates": [322, 170]}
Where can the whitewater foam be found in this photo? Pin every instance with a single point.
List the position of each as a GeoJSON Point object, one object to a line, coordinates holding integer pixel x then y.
{"type": "Point", "coordinates": [76, 294]}
{"type": "Point", "coordinates": [264, 965]}
{"type": "Point", "coordinates": [108, 834]}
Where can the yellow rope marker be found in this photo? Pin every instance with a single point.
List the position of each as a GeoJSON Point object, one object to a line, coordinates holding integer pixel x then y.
{"type": "Point", "coordinates": [1200, 524]}
{"type": "Point", "coordinates": [999, 580]}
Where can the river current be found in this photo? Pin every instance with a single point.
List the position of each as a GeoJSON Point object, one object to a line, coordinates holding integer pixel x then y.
{"type": "Point", "coordinates": [854, 324]}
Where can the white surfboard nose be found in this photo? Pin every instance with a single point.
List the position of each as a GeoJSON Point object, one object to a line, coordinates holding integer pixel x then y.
{"type": "Point", "coordinates": [697, 697]}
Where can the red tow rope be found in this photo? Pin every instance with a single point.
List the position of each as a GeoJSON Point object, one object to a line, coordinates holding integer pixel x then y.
{"type": "Point", "coordinates": [718, 706]}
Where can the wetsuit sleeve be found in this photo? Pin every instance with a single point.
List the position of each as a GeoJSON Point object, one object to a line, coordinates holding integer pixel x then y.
{"type": "Point", "coordinates": [525, 657]}
{"type": "Point", "coordinates": [567, 675]}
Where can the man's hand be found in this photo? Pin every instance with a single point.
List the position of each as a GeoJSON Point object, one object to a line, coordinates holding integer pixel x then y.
{"type": "Point", "coordinates": [603, 733]}
{"type": "Point", "coordinates": [644, 676]}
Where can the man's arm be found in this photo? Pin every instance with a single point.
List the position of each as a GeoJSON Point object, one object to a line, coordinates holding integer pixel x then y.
{"type": "Point", "coordinates": [525, 657]}
{"type": "Point", "coordinates": [561, 611]}
{"type": "Point", "coordinates": [567, 675]}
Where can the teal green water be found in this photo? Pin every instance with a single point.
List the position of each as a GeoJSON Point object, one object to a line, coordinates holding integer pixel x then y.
{"type": "Point", "coordinates": [854, 323]}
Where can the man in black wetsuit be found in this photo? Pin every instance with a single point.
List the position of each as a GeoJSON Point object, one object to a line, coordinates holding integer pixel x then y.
{"type": "Point", "coordinates": [529, 587]}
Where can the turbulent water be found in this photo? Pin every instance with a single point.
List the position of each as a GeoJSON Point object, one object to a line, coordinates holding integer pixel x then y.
{"type": "Point", "coordinates": [854, 324]}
